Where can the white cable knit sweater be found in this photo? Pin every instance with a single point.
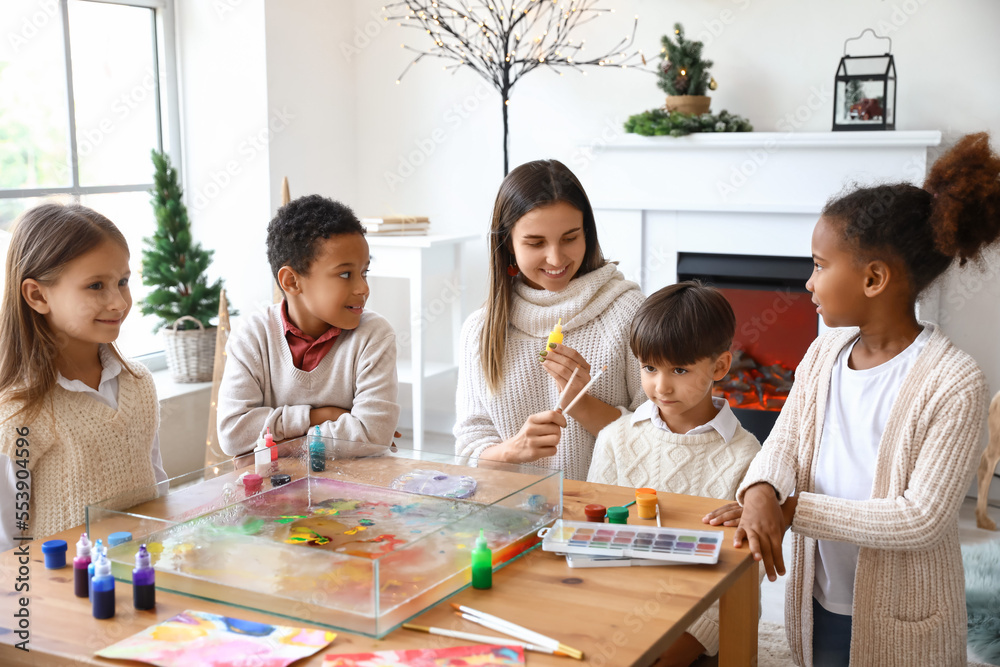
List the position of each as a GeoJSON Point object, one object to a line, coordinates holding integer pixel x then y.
{"type": "Point", "coordinates": [702, 464]}
{"type": "Point", "coordinates": [909, 591]}
{"type": "Point", "coordinates": [597, 311]}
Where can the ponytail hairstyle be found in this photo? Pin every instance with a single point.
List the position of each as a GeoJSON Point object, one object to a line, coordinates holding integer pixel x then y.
{"type": "Point", "coordinates": [531, 185]}
{"type": "Point", "coordinates": [43, 240]}
{"type": "Point", "coordinates": [956, 215]}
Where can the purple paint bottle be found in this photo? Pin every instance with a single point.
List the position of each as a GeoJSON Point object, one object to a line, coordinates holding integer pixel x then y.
{"type": "Point", "coordinates": [102, 596]}
{"type": "Point", "coordinates": [143, 581]}
{"type": "Point", "coordinates": [80, 565]}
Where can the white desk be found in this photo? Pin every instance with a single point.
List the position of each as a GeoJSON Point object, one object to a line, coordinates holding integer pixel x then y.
{"type": "Point", "coordinates": [416, 258]}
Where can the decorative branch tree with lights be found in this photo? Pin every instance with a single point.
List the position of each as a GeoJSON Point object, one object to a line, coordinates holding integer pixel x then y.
{"type": "Point", "coordinates": [503, 41]}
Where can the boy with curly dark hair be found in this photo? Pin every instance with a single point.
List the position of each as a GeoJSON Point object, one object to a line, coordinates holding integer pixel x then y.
{"type": "Point", "coordinates": [318, 357]}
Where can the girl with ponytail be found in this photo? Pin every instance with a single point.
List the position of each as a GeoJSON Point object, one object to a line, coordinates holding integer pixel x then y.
{"type": "Point", "coordinates": [881, 431]}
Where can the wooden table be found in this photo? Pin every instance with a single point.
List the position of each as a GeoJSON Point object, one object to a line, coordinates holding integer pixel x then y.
{"type": "Point", "coordinates": [616, 616]}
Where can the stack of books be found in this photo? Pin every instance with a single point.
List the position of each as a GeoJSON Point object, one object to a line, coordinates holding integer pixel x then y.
{"type": "Point", "coordinates": [397, 225]}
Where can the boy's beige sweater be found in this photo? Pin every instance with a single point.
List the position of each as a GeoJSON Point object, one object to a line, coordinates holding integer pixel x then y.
{"type": "Point", "coordinates": [703, 464]}
{"type": "Point", "coordinates": [261, 387]}
{"type": "Point", "coordinates": [909, 590]}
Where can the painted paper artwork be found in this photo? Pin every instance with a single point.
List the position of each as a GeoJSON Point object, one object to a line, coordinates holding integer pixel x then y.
{"type": "Point", "coordinates": [453, 656]}
{"type": "Point", "coordinates": [199, 639]}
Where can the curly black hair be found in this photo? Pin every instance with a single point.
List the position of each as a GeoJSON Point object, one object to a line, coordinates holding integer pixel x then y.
{"type": "Point", "coordinates": [954, 216]}
{"type": "Point", "coordinates": [293, 233]}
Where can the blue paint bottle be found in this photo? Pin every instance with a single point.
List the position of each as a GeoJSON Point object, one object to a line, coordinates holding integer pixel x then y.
{"type": "Point", "coordinates": [94, 555]}
{"type": "Point", "coordinates": [317, 452]}
{"type": "Point", "coordinates": [143, 581]}
{"type": "Point", "coordinates": [102, 597]}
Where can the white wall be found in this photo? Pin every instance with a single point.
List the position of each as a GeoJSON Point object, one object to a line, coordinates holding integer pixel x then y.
{"type": "Point", "coordinates": [310, 82]}
{"type": "Point", "coordinates": [225, 127]}
{"type": "Point", "coordinates": [773, 61]}
{"type": "Point", "coordinates": [431, 145]}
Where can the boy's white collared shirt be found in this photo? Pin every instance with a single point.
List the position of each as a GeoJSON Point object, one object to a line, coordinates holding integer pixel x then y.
{"type": "Point", "coordinates": [725, 422]}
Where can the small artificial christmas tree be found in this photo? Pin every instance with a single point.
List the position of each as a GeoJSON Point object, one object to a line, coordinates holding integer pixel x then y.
{"type": "Point", "coordinates": [683, 72]}
{"type": "Point", "coordinates": [171, 263]}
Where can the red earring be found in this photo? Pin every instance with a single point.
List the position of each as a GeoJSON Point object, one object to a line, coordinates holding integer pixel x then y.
{"type": "Point", "coordinates": [512, 270]}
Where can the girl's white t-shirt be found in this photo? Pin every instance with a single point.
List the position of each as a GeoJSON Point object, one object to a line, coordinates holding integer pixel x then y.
{"type": "Point", "coordinates": [857, 410]}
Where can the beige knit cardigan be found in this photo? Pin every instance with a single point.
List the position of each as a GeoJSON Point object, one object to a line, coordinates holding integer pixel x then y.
{"type": "Point", "coordinates": [909, 590]}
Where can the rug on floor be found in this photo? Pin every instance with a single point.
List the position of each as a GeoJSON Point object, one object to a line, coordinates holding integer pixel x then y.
{"type": "Point", "coordinates": [773, 651]}
{"type": "Point", "coordinates": [982, 598]}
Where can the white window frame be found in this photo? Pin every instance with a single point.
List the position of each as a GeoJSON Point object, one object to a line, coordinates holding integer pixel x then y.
{"type": "Point", "coordinates": [167, 114]}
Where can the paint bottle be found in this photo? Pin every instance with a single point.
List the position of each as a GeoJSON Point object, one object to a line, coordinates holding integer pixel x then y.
{"type": "Point", "coordinates": [55, 554]}
{"type": "Point", "coordinates": [121, 537]}
{"type": "Point", "coordinates": [264, 453]}
{"type": "Point", "coordinates": [595, 512]}
{"type": "Point", "coordinates": [482, 563]}
{"type": "Point", "coordinates": [252, 484]}
{"type": "Point", "coordinates": [317, 452]}
{"type": "Point", "coordinates": [556, 336]}
{"type": "Point", "coordinates": [102, 597]}
{"type": "Point", "coordinates": [80, 564]}
{"type": "Point", "coordinates": [143, 581]}
{"type": "Point", "coordinates": [96, 552]}
{"type": "Point", "coordinates": [617, 515]}
{"type": "Point", "coordinates": [646, 502]}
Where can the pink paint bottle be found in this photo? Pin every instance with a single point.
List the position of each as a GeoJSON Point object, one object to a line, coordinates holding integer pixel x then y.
{"type": "Point", "coordinates": [80, 566]}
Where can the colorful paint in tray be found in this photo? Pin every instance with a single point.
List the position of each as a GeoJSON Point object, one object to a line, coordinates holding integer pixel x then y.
{"type": "Point", "coordinates": [667, 544]}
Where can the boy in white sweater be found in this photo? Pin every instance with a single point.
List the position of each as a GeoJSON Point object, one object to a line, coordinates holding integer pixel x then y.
{"type": "Point", "coordinates": [317, 358]}
{"type": "Point", "coordinates": [681, 440]}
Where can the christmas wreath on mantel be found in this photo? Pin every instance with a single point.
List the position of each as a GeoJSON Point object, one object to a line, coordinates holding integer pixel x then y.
{"type": "Point", "coordinates": [684, 76]}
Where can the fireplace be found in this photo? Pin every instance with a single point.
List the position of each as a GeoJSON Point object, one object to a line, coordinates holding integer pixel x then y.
{"type": "Point", "coordinates": [775, 323]}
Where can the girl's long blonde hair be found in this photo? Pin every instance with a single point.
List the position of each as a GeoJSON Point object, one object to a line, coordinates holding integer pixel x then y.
{"type": "Point", "coordinates": [530, 186]}
{"type": "Point", "coordinates": [44, 239]}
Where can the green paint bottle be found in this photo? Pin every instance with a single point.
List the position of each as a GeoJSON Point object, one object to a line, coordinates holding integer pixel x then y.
{"type": "Point", "coordinates": [482, 563]}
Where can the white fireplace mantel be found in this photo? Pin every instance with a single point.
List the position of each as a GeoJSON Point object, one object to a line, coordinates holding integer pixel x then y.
{"type": "Point", "coordinates": [751, 193]}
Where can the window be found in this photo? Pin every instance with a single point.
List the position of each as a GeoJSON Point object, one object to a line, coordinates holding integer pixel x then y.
{"type": "Point", "coordinates": [87, 90]}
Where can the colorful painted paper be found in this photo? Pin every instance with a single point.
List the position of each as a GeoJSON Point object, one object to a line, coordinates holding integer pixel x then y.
{"type": "Point", "coordinates": [199, 639]}
{"type": "Point", "coordinates": [454, 656]}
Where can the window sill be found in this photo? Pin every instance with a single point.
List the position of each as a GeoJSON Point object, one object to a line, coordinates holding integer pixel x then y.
{"type": "Point", "coordinates": [167, 388]}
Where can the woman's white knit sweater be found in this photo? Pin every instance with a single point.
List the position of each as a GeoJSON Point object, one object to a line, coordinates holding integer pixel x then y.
{"type": "Point", "coordinates": [909, 591]}
{"type": "Point", "coordinates": [597, 310]}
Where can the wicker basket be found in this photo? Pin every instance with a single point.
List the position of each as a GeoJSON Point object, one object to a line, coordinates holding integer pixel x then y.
{"type": "Point", "coordinates": [696, 104]}
{"type": "Point", "coordinates": [190, 354]}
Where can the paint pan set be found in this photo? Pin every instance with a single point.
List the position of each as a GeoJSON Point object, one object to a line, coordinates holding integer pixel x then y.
{"type": "Point", "coordinates": [605, 544]}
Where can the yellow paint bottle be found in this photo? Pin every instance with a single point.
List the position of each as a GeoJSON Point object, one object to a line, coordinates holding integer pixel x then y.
{"type": "Point", "coordinates": [556, 336]}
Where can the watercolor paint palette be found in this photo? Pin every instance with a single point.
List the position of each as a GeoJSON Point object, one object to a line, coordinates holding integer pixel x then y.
{"type": "Point", "coordinates": [678, 545]}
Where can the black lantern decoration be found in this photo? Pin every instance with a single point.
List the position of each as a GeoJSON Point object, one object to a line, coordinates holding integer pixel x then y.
{"type": "Point", "coordinates": [865, 90]}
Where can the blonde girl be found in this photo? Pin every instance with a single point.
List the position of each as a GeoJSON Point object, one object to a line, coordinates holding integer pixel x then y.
{"type": "Point", "coordinates": [73, 413]}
